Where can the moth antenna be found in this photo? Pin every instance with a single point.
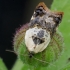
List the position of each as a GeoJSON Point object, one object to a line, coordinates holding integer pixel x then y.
{"type": "Point", "coordinates": [32, 57]}
{"type": "Point", "coordinates": [11, 51]}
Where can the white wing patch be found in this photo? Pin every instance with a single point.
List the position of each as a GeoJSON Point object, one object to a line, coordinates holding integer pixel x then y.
{"type": "Point", "coordinates": [31, 46]}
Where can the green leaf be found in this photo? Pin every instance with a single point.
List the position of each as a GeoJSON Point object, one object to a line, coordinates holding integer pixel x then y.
{"type": "Point", "coordinates": [18, 65]}
{"type": "Point", "coordinates": [2, 65]}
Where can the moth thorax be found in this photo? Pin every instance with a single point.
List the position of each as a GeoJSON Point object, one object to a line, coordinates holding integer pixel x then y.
{"type": "Point", "coordinates": [36, 39]}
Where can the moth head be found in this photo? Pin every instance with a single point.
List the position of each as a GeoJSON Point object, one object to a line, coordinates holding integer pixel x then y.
{"type": "Point", "coordinates": [45, 18]}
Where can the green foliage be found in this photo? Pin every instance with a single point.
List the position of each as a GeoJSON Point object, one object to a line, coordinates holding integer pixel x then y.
{"type": "Point", "coordinates": [63, 63]}
{"type": "Point", "coordinates": [18, 65]}
{"type": "Point", "coordinates": [2, 65]}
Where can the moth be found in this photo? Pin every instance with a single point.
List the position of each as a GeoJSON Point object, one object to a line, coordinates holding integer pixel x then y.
{"type": "Point", "coordinates": [42, 27]}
